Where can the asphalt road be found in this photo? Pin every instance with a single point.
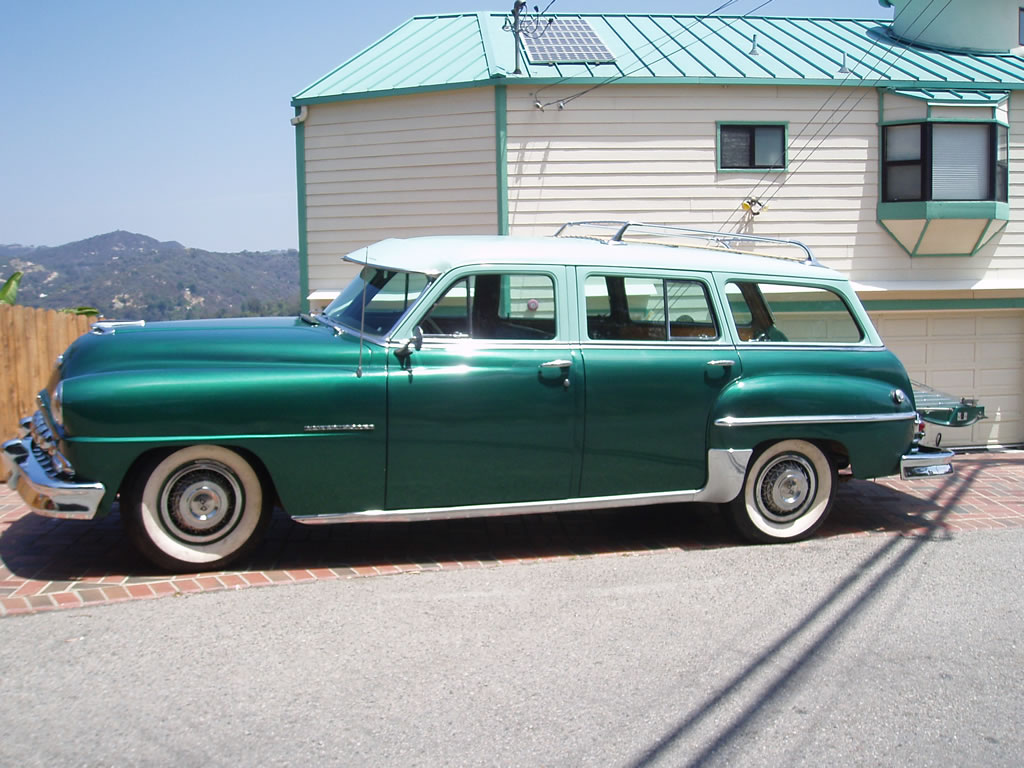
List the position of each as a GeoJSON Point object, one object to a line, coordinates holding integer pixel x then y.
{"type": "Point", "coordinates": [868, 651]}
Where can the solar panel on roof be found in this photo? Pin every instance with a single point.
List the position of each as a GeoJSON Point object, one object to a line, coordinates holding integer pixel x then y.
{"type": "Point", "coordinates": [567, 41]}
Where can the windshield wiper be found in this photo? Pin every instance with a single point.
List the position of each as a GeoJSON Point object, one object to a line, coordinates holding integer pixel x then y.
{"type": "Point", "coordinates": [322, 319]}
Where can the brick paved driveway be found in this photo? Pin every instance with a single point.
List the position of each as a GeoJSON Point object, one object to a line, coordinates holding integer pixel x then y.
{"type": "Point", "coordinates": [52, 564]}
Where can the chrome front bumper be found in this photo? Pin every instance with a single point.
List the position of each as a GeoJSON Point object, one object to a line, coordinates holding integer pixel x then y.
{"type": "Point", "coordinates": [43, 491]}
{"type": "Point", "coordinates": [926, 462]}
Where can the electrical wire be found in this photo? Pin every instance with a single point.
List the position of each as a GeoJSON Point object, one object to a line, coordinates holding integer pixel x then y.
{"type": "Point", "coordinates": [652, 44]}
{"type": "Point", "coordinates": [807, 150]}
{"type": "Point", "coordinates": [645, 65]}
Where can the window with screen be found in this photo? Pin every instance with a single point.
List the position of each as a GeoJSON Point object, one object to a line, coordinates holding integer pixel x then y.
{"type": "Point", "coordinates": [754, 147]}
{"type": "Point", "coordinates": [945, 161]}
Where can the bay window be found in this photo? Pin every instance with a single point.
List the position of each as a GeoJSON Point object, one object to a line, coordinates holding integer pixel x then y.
{"type": "Point", "coordinates": [944, 161]}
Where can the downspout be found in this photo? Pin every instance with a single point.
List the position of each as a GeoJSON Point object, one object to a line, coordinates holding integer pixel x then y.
{"type": "Point", "coordinates": [299, 121]}
{"type": "Point", "coordinates": [501, 155]}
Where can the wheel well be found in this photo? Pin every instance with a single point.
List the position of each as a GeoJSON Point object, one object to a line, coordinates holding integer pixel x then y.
{"type": "Point", "coordinates": [155, 455]}
{"type": "Point", "coordinates": [835, 450]}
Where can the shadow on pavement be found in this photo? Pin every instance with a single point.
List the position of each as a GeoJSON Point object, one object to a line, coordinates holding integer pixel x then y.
{"type": "Point", "coordinates": [57, 550]}
{"type": "Point", "coordinates": [822, 624]}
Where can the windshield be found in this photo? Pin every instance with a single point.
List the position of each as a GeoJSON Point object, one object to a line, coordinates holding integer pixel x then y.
{"type": "Point", "coordinates": [388, 295]}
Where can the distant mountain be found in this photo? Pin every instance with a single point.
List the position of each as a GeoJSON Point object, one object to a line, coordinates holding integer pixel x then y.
{"type": "Point", "coordinates": [132, 277]}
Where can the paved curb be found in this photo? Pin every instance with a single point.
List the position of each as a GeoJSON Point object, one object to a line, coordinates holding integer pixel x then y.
{"type": "Point", "coordinates": [56, 564]}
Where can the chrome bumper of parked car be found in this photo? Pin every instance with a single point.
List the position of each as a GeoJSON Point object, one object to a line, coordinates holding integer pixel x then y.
{"type": "Point", "coordinates": [926, 462]}
{"type": "Point", "coordinates": [43, 491]}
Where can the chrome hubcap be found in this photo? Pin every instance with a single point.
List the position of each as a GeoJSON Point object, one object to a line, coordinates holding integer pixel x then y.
{"type": "Point", "coordinates": [786, 488]}
{"type": "Point", "coordinates": [204, 503]}
{"type": "Point", "coordinates": [200, 502]}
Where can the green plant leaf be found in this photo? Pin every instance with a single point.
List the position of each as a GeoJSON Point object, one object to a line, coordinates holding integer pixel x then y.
{"type": "Point", "coordinates": [9, 291]}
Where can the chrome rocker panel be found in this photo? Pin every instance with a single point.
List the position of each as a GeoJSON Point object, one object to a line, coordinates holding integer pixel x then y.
{"type": "Point", "coordinates": [726, 471]}
{"type": "Point", "coordinates": [926, 462]}
{"type": "Point", "coordinates": [44, 493]}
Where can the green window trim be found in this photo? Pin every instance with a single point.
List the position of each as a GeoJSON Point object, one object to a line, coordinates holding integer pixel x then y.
{"type": "Point", "coordinates": [501, 155]}
{"type": "Point", "coordinates": [300, 189]}
{"type": "Point", "coordinates": [944, 209]}
{"type": "Point", "coordinates": [920, 177]}
{"type": "Point", "coordinates": [752, 125]}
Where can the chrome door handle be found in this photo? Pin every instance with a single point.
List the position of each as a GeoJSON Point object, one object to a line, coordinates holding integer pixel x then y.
{"type": "Point", "coordinates": [557, 364]}
{"type": "Point", "coordinates": [721, 363]}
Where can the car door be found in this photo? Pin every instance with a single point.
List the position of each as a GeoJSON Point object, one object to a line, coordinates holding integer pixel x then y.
{"type": "Point", "coordinates": [656, 356]}
{"type": "Point", "coordinates": [486, 411]}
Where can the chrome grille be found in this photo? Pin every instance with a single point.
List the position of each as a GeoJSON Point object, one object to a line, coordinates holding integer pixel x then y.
{"type": "Point", "coordinates": [44, 448]}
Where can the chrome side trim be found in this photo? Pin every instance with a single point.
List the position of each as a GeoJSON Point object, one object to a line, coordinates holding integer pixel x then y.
{"type": "Point", "coordinates": [339, 428]}
{"type": "Point", "coordinates": [853, 418]}
{"type": "Point", "coordinates": [926, 462]}
{"type": "Point", "coordinates": [44, 493]}
{"type": "Point", "coordinates": [726, 470]}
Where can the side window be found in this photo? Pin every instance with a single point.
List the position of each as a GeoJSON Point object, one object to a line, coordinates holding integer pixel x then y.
{"type": "Point", "coordinates": [790, 313]}
{"type": "Point", "coordinates": [744, 147]}
{"type": "Point", "coordinates": [495, 306]}
{"type": "Point", "coordinates": [648, 309]}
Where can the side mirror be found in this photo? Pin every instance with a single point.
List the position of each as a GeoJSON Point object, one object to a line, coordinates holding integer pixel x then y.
{"type": "Point", "coordinates": [405, 351]}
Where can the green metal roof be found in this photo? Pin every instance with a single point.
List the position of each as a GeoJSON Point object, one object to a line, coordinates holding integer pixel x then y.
{"type": "Point", "coordinates": [470, 49]}
{"type": "Point", "coordinates": [975, 98]}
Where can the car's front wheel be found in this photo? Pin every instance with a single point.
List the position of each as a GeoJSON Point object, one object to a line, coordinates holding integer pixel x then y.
{"type": "Point", "coordinates": [787, 494]}
{"type": "Point", "coordinates": [198, 508]}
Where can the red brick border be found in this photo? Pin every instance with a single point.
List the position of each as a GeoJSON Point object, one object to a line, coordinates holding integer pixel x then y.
{"type": "Point", "coordinates": [55, 564]}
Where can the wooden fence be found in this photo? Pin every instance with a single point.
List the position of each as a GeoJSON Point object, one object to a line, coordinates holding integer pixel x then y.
{"type": "Point", "coordinates": [30, 340]}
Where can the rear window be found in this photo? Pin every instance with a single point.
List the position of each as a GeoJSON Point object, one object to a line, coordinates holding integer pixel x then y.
{"type": "Point", "coordinates": [773, 312]}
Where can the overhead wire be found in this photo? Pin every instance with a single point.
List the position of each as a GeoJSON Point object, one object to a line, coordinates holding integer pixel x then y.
{"type": "Point", "coordinates": [652, 44]}
{"type": "Point", "coordinates": [808, 150]}
{"type": "Point", "coordinates": [646, 64]}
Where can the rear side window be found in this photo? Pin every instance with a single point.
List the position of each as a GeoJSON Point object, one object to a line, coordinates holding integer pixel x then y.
{"type": "Point", "coordinates": [772, 312]}
{"type": "Point", "coordinates": [621, 308]}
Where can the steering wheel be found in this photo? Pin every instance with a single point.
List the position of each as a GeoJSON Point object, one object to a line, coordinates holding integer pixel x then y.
{"type": "Point", "coordinates": [430, 325]}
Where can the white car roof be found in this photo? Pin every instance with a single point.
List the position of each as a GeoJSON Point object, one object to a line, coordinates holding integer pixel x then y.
{"type": "Point", "coordinates": [435, 255]}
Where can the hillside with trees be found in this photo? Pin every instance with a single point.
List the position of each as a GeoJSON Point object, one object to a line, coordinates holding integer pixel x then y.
{"type": "Point", "coordinates": [134, 277]}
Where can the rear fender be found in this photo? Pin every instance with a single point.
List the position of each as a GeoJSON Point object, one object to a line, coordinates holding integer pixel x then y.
{"type": "Point", "coordinates": [859, 418]}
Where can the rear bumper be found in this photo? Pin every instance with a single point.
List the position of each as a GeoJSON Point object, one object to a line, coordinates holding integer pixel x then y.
{"type": "Point", "coordinates": [926, 462]}
{"type": "Point", "coordinates": [42, 490]}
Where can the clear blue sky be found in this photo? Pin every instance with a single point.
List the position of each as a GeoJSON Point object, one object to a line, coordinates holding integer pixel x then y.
{"type": "Point", "coordinates": [171, 119]}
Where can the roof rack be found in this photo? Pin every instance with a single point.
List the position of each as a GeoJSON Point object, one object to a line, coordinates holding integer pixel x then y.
{"type": "Point", "coordinates": [718, 240]}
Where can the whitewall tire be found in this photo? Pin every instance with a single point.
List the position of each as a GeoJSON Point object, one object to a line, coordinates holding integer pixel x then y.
{"type": "Point", "coordinates": [787, 494]}
{"type": "Point", "coordinates": [198, 508]}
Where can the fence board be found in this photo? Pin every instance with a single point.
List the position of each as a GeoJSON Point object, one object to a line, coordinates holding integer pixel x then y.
{"type": "Point", "coordinates": [30, 340]}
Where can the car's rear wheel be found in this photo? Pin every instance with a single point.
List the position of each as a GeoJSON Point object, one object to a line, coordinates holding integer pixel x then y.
{"type": "Point", "coordinates": [198, 508]}
{"type": "Point", "coordinates": [787, 494]}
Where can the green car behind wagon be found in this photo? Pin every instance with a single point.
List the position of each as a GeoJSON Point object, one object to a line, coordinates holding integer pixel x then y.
{"type": "Point", "coordinates": [613, 365]}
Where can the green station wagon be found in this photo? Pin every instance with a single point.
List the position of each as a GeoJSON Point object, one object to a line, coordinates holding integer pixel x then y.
{"type": "Point", "coordinates": [612, 365]}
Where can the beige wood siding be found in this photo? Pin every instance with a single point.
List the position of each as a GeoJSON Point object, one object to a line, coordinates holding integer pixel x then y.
{"type": "Point", "coordinates": [649, 152]}
{"type": "Point", "coordinates": [399, 166]}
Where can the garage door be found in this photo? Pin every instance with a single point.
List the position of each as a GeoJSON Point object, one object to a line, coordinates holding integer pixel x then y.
{"type": "Point", "coordinates": [973, 354]}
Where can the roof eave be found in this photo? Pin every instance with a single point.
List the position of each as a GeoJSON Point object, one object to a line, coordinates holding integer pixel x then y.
{"type": "Point", "coordinates": [502, 79]}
